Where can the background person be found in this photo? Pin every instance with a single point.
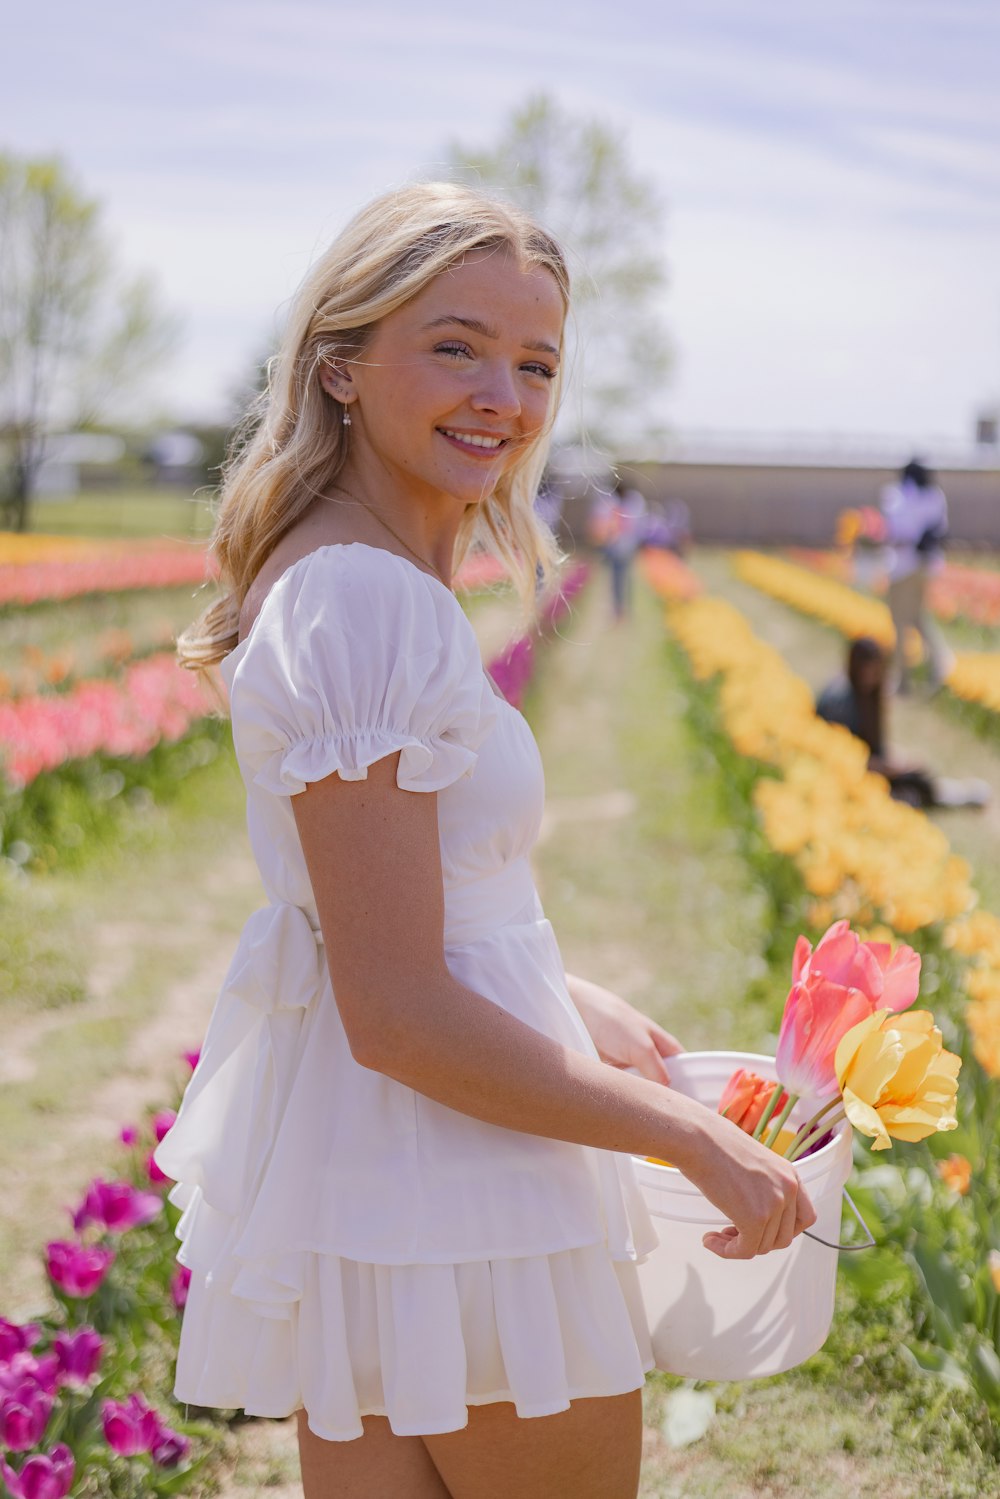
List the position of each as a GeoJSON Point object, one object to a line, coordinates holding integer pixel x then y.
{"type": "Point", "coordinates": [856, 699]}
{"type": "Point", "coordinates": [915, 513]}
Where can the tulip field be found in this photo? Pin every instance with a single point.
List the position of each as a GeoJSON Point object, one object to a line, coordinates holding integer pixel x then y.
{"type": "Point", "coordinates": [701, 824]}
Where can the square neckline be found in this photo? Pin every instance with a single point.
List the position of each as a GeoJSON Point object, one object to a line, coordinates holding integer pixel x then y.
{"type": "Point", "coordinates": [328, 546]}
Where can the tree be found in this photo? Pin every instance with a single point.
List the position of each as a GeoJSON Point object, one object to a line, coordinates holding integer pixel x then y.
{"type": "Point", "coordinates": [573, 175]}
{"type": "Point", "coordinates": [73, 332]}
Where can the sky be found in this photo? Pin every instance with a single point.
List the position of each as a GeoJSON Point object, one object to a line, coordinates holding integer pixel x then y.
{"type": "Point", "coordinates": [831, 174]}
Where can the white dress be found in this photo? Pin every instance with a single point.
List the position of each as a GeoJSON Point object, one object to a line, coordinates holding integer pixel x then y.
{"type": "Point", "coordinates": [356, 1247]}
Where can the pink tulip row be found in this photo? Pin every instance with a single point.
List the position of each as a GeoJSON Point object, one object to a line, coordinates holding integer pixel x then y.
{"type": "Point", "coordinates": [512, 669]}
{"type": "Point", "coordinates": [33, 1383]}
{"type": "Point", "coordinates": [155, 700]}
{"type": "Point", "coordinates": [163, 565]}
{"type": "Point", "coordinates": [158, 565]}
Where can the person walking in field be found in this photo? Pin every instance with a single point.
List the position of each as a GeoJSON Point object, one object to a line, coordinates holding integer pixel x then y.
{"type": "Point", "coordinates": [915, 517]}
{"type": "Point", "coordinates": [403, 1158]}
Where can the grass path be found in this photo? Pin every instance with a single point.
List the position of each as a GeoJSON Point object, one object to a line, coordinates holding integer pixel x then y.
{"type": "Point", "coordinates": [920, 729]}
{"type": "Point", "coordinates": [648, 894]}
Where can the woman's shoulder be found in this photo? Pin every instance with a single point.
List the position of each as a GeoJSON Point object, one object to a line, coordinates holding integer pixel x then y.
{"type": "Point", "coordinates": [342, 574]}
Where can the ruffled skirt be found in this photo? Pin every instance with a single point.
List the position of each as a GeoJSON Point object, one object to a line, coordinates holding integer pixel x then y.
{"type": "Point", "coordinates": [419, 1343]}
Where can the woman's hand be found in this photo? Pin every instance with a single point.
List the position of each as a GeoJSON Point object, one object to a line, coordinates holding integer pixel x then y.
{"type": "Point", "coordinates": [623, 1035]}
{"type": "Point", "coordinates": [758, 1191]}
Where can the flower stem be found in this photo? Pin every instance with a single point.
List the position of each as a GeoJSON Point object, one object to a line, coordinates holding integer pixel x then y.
{"type": "Point", "coordinates": [765, 1118]}
{"type": "Point", "coordinates": [801, 1146]}
{"type": "Point", "coordinates": [777, 1127]}
{"type": "Point", "coordinates": [805, 1129]}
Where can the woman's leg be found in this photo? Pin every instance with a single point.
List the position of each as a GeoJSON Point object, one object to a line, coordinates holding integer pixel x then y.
{"type": "Point", "coordinates": [378, 1465]}
{"type": "Point", "coordinates": [591, 1451]}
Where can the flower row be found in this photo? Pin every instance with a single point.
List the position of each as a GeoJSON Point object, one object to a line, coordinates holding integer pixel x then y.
{"type": "Point", "coordinates": [512, 669]}
{"type": "Point", "coordinates": [825, 813]}
{"type": "Point", "coordinates": [155, 700]}
{"type": "Point", "coordinates": [975, 676]}
{"type": "Point", "coordinates": [67, 1411]}
{"type": "Point", "coordinates": [39, 672]}
{"type": "Point", "coordinates": [53, 568]}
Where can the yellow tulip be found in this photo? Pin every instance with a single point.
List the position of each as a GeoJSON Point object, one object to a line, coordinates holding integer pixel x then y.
{"type": "Point", "coordinates": [896, 1078]}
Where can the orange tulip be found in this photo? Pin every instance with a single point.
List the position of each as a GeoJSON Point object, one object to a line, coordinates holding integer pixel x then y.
{"type": "Point", "coordinates": [745, 1098]}
{"type": "Point", "coordinates": [956, 1173]}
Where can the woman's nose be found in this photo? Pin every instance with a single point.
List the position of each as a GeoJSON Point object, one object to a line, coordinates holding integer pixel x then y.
{"type": "Point", "coordinates": [497, 393]}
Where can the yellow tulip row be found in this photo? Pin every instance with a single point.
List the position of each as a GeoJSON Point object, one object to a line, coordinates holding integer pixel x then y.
{"type": "Point", "coordinates": [856, 848]}
{"type": "Point", "coordinates": [861, 855]}
{"type": "Point", "coordinates": [975, 677]}
{"type": "Point", "coordinates": [18, 549]}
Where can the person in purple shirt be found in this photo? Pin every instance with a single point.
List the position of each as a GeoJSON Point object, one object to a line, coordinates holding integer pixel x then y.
{"type": "Point", "coordinates": [915, 513]}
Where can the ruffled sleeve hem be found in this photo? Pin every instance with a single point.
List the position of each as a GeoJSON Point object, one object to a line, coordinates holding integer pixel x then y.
{"type": "Point", "coordinates": [356, 655]}
{"type": "Point", "coordinates": [424, 765]}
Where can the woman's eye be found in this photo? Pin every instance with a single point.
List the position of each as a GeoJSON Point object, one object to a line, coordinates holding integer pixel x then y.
{"type": "Point", "coordinates": [541, 369]}
{"type": "Point", "coordinates": [458, 350]}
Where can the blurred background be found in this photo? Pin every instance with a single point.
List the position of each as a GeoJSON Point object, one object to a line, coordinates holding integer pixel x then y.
{"type": "Point", "coordinates": [784, 224]}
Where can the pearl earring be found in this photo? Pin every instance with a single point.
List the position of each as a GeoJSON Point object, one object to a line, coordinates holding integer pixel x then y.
{"type": "Point", "coordinates": [346, 418]}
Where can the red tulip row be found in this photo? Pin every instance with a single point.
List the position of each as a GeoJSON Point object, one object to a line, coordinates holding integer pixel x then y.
{"type": "Point", "coordinates": [163, 565]}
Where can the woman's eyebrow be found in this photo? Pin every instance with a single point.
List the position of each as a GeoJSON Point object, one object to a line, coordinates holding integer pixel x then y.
{"type": "Point", "coordinates": [474, 325]}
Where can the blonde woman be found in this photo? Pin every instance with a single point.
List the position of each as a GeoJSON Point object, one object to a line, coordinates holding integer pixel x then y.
{"type": "Point", "coordinates": [403, 1157]}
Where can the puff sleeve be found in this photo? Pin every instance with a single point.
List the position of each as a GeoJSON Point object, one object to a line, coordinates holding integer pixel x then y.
{"type": "Point", "coordinates": [356, 654]}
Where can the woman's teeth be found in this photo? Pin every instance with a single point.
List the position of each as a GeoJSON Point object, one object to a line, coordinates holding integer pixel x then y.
{"type": "Point", "coordinates": [473, 441]}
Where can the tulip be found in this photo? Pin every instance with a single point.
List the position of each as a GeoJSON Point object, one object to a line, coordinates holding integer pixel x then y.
{"type": "Point", "coordinates": [43, 1476]}
{"type": "Point", "coordinates": [15, 1338]}
{"type": "Point", "coordinates": [170, 1448]}
{"type": "Point", "coordinates": [956, 1173]}
{"type": "Point", "coordinates": [77, 1269]}
{"type": "Point", "coordinates": [897, 1080]}
{"type": "Point", "coordinates": [191, 1057]}
{"type": "Point", "coordinates": [747, 1097]}
{"type": "Point", "coordinates": [179, 1283]}
{"type": "Point", "coordinates": [25, 1368]}
{"type": "Point", "coordinates": [993, 1265]}
{"type": "Point", "coordinates": [24, 1415]}
{"type": "Point", "coordinates": [79, 1354]}
{"type": "Point", "coordinates": [116, 1206]}
{"type": "Point", "coordinates": [130, 1426]}
{"type": "Point", "coordinates": [833, 988]}
{"type": "Point", "coordinates": [163, 1122]}
{"type": "Point", "coordinates": [128, 1134]}
{"type": "Point", "coordinates": [153, 1171]}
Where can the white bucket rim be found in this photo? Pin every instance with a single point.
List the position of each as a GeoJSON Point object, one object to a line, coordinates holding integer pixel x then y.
{"type": "Point", "coordinates": [814, 1164]}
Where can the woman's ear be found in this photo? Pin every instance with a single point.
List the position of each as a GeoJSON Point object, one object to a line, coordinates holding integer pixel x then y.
{"type": "Point", "coordinates": [336, 382]}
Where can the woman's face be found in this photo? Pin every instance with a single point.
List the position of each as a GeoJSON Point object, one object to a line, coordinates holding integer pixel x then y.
{"type": "Point", "coordinates": [456, 383]}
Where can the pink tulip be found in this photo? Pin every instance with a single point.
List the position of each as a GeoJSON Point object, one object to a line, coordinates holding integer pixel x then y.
{"type": "Point", "coordinates": [179, 1283]}
{"type": "Point", "coordinates": [170, 1448]}
{"type": "Point", "coordinates": [192, 1058]}
{"type": "Point", "coordinates": [43, 1476]}
{"type": "Point", "coordinates": [116, 1206]}
{"type": "Point", "coordinates": [130, 1426]}
{"type": "Point", "coordinates": [128, 1134]}
{"type": "Point", "coordinates": [25, 1368]}
{"type": "Point", "coordinates": [79, 1354]}
{"type": "Point", "coordinates": [835, 987]}
{"type": "Point", "coordinates": [77, 1269]}
{"type": "Point", "coordinates": [15, 1338]}
{"type": "Point", "coordinates": [163, 1123]}
{"type": "Point", "coordinates": [24, 1415]}
{"type": "Point", "coordinates": [153, 1171]}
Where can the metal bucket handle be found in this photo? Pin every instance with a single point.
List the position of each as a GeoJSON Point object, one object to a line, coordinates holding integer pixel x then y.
{"type": "Point", "coordinates": [847, 1248]}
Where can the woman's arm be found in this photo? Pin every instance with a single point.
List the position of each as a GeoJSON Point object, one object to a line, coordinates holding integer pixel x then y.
{"type": "Point", "coordinates": [624, 1037]}
{"type": "Point", "coordinates": [373, 856]}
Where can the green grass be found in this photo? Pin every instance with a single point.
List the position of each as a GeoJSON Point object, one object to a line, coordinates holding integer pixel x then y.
{"type": "Point", "coordinates": [154, 512]}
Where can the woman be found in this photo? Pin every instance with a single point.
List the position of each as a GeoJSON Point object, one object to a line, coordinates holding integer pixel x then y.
{"type": "Point", "coordinates": [406, 1210]}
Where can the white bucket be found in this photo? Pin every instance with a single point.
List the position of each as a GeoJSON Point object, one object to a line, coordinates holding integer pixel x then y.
{"type": "Point", "coordinates": [711, 1318]}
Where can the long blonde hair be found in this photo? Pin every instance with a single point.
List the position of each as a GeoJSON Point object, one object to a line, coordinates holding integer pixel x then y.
{"type": "Point", "coordinates": [292, 445]}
